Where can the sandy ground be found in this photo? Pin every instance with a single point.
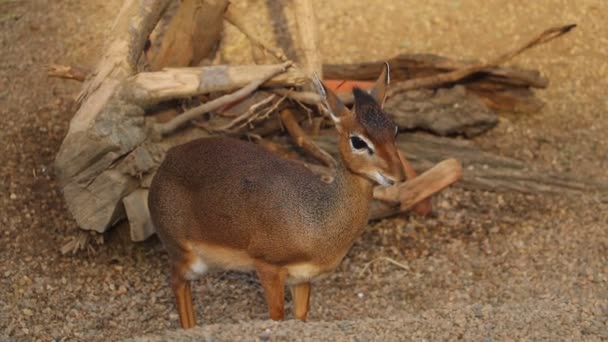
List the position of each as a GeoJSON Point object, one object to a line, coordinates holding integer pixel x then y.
{"type": "Point", "coordinates": [488, 266]}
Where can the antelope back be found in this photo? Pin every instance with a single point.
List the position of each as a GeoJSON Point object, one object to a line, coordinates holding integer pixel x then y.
{"type": "Point", "coordinates": [233, 194]}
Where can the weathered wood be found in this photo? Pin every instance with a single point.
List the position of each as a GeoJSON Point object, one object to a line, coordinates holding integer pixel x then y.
{"type": "Point", "coordinates": [391, 200]}
{"type": "Point", "coordinates": [482, 170]}
{"type": "Point", "coordinates": [237, 18]}
{"type": "Point", "coordinates": [501, 88]}
{"type": "Point", "coordinates": [191, 35]}
{"type": "Point", "coordinates": [99, 134]}
{"type": "Point", "coordinates": [149, 88]}
{"type": "Point", "coordinates": [409, 66]}
{"type": "Point", "coordinates": [310, 60]}
{"type": "Point", "coordinates": [87, 128]}
{"type": "Point", "coordinates": [411, 192]}
{"type": "Point", "coordinates": [138, 214]}
{"type": "Point", "coordinates": [445, 111]}
{"type": "Point", "coordinates": [303, 140]}
{"type": "Point", "coordinates": [424, 207]}
{"type": "Point", "coordinates": [238, 95]}
{"type": "Point", "coordinates": [69, 72]}
{"type": "Point", "coordinates": [118, 128]}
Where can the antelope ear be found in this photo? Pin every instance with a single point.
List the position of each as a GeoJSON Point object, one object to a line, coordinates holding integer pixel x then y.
{"type": "Point", "coordinates": [337, 109]}
{"type": "Point", "coordinates": [378, 91]}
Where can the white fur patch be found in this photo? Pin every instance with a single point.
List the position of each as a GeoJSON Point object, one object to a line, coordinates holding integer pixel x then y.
{"type": "Point", "coordinates": [302, 272]}
{"type": "Point", "coordinates": [197, 269]}
{"type": "Point", "coordinates": [382, 179]}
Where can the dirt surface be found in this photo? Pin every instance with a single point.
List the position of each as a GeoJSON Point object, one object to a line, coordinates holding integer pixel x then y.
{"type": "Point", "coordinates": [488, 266]}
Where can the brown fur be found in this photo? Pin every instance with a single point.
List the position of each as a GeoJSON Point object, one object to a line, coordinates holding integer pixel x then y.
{"type": "Point", "coordinates": [234, 205]}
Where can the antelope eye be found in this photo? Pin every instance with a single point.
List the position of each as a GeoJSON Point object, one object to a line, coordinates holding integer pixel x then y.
{"type": "Point", "coordinates": [358, 143]}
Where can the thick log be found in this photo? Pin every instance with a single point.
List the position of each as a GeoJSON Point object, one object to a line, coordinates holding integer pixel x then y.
{"type": "Point", "coordinates": [306, 23]}
{"type": "Point", "coordinates": [119, 128]}
{"type": "Point", "coordinates": [138, 214]}
{"type": "Point", "coordinates": [192, 33]}
{"type": "Point", "coordinates": [482, 170]}
{"type": "Point", "coordinates": [149, 88]}
{"type": "Point", "coordinates": [409, 66]}
{"type": "Point", "coordinates": [501, 88]}
{"type": "Point", "coordinates": [89, 127]}
{"type": "Point", "coordinates": [446, 111]}
{"type": "Point", "coordinates": [414, 192]}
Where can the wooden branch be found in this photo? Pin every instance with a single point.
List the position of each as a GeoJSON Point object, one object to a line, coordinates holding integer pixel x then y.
{"type": "Point", "coordinates": [453, 76]}
{"type": "Point", "coordinates": [257, 112]}
{"type": "Point", "coordinates": [305, 142]}
{"type": "Point", "coordinates": [414, 191]}
{"type": "Point", "coordinates": [446, 111]}
{"type": "Point", "coordinates": [99, 135]}
{"type": "Point", "coordinates": [410, 66]}
{"type": "Point", "coordinates": [310, 61]}
{"type": "Point", "coordinates": [138, 214]}
{"type": "Point", "coordinates": [425, 207]}
{"type": "Point", "coordinates": [300, 96]}
{"type": "Point", "coordinates": [235, 17]}
{"type": "Point", "coordinates": [149, 88]}
{"type": "Point", "coordinates": [169, 127]}
{"type": "Point", "coordinates": [191, 35]}
{"type": "Point", "coordinates": [67, 71]}
{"type": "Point", "coordinates": [131, 29]}
{"type": "Point", "coordinates": [482, 170]}
{"type": "Point", "coordinates": [80, 147]}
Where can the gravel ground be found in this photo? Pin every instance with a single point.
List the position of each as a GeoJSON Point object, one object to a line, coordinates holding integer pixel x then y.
{"type": "Point", "coordinates": [497, 265]}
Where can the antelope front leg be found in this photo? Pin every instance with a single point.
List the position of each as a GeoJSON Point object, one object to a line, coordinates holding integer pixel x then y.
{"type": "Point", "coordinates": [301, 300]}
{"type": "Point", "coordinates": [183, 297]}
{"type": "Point", "coordinates": [273, 282]}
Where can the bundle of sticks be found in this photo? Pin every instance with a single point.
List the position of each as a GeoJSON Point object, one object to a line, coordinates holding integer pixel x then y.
{"type": "Point", "coordinates": [148, 94]}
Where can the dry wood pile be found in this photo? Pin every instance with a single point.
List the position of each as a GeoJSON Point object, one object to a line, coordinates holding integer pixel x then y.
{"type": "Point", "coordinates": [149, 92]}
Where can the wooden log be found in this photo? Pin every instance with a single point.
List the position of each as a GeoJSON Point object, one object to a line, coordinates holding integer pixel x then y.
{"type": "Point", "coordinates": [191, 35]}
{"type": "Point", "coordinates": [446, 111]}
{"type": "Point", "coordinates": [118, 128]}
{"type": "Point", "coordinates": [131, 29]}
{"type": "Point", "coordinates": [149, 88]}
{"type": "Point", "coordinates": [414, 192]}
{"type": "Point", "coordinates": [501, 88]}
{"type": "Point", "coordinates": [306, 23]}
{"type": "Point", "coordinates": [410, 66]}
{"type": "Point", "coordinates": [169, 127]}
{"type": "Point", "coordinates": [138, 214]}
{"type": "Point", "coordinates": [236, 17]}
{"type": "Point", "coordinates": [482, 170]}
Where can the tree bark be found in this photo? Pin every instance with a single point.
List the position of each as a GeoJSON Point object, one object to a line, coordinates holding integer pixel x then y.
{"type": "Point", "coordinates": [191, 35]}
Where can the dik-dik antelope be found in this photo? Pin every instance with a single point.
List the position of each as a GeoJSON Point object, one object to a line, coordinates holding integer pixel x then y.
{"type": "Point", "coordinates": [222, 203]}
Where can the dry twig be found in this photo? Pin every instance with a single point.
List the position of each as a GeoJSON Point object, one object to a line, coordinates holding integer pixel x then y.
{"type": "Point", "coordinates": [453, 76]}
{"type": "Point", "coordinates": [304, 141]}
{"type": "Point", "coordinates": [68, 72]}
{"type": "Point", "coordinates": [300, 96]}
{"type": "Point", "coordinates": [392, 261]}
{"type": "Point", "coordinates": [193, 113]}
